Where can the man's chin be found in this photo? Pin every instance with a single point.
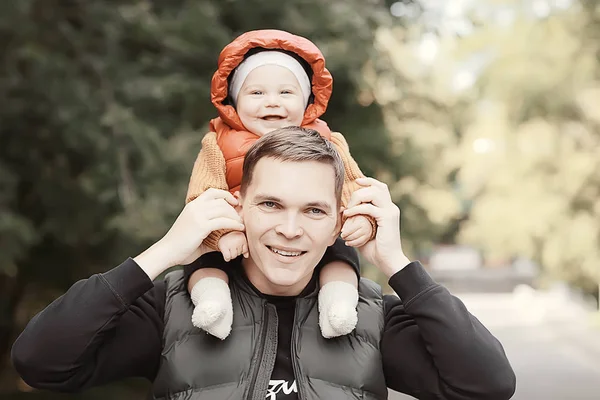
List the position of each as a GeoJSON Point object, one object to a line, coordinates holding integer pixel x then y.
{"type": "Point", "coordinates": [283, 279]}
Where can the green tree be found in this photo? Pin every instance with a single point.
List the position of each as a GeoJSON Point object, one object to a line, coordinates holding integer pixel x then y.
{"type": "Point", "coordinates": [104, 107]}
{"type": "Point", "coordinates": [534, 187]}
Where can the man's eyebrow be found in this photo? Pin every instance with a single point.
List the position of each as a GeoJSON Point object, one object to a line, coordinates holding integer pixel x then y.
{"type": "Point", "coordinates": [265, 197]}
{"type": "Point", "coordinates": [319, 204]}
{"type": "Point", "coordinates": [259, 198]}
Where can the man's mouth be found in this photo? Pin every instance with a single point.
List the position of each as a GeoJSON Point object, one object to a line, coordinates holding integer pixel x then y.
{"type": "Point", "coordinates": [286, 253]}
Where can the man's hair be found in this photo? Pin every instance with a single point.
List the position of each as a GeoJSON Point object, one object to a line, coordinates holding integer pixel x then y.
{"type": "Point", "coordinates": [295, 144]}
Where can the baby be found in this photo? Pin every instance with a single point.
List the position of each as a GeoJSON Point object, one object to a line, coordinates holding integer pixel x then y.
{"type": "Point", "coordinates": [270, 79]}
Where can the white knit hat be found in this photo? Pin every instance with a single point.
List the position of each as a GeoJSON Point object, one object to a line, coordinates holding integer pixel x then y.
{"type": "Point", "coordinates": [270, 57]}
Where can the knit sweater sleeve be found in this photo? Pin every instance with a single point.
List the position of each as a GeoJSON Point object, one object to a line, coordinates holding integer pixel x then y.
{"type": "Point", "coordinates": [351, 173]}
{"type": "Point", "coordinates": [208, 172]}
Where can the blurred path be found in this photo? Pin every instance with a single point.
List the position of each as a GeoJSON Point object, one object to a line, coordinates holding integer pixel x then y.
{"type": "Point", "coordinates": [556, 356]}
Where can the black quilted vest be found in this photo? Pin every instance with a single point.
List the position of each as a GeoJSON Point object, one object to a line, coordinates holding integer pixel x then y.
{"type": "Point", "coordinates": [196, 365]}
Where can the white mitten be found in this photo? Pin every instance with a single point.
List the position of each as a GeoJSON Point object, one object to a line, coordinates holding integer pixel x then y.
{"type": "Point", "coordinates": [337, 309]}
{"type": "Point", "coordinates": [213, 311]}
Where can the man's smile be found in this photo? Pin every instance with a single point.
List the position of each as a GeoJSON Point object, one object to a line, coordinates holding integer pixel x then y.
{"type": "Point", "coordinates": [286, 252]}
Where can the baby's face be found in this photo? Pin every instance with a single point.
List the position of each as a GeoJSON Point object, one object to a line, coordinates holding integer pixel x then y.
{"type": "Point", "coordinates": [269, 99]}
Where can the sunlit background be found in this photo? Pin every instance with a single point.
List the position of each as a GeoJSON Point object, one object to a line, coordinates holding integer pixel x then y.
{"type": "Point", "coordinates": [482, 116]}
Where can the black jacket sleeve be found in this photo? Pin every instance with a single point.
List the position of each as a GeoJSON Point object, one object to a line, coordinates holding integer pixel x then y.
{"type": "Point", "coordinates": [104, 328]}
{"type": "Point", "coordinates": [337, 252]}
{"type": "Point", "coordinates": [433, 348]}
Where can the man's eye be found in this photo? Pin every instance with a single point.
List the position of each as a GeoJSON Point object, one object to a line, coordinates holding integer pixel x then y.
{"type": "Point", "coordinates": [316, 211]}
{"type": "Point", "coordinates": [268, 204]}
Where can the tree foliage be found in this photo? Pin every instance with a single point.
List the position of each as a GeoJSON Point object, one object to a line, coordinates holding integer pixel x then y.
{"type": "Point", "coordinates": [104, 108]}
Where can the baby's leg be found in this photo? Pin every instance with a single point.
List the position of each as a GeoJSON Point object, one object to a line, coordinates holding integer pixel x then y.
{"type": "Point", "coordinates": [206, 273]}
{"type": "Point", "coordinates": [338, 299]}
{"type": "Point", "coordinates": [213, 311]}
{"type": "Point", "coordinates": [338, 271]}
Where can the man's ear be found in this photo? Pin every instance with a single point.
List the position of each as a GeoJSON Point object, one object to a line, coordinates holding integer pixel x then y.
{"type": "Point", "coordinates": [338, 226]}
{"type": "Point", "coordinates": [239, 207]}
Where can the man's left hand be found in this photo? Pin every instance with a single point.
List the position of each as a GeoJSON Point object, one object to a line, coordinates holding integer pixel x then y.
{"type": "Point", "coordinates": [385, 250]}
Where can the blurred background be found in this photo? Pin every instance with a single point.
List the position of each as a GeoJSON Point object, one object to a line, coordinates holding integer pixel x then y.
{"type": "Point", "coordinates": [482, 116]}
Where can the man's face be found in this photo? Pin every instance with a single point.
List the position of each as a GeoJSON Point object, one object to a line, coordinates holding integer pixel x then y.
{"type": "Point", "coordinates": [291, 217]}
{"type": "Point", "coordinates": [269, 99]}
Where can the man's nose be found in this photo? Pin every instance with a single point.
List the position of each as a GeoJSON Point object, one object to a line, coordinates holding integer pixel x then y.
{"type": "Point", "coordinates": [290, 227]}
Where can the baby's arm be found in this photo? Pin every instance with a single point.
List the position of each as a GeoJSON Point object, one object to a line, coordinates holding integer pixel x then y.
{"type": "Point", "coordinates": [357, 231]}
{"type": "Point", "coordinates": [208, 172]}
{"type": "Point", "coordinates": [351, 173]}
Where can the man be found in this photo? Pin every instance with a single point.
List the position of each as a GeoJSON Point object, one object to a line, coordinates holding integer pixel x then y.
{"type": "Point", "coordinates": [119, 324]}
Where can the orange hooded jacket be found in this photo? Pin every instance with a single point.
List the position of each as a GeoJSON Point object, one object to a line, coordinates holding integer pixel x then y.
{"type": "Point", "coordinates": [219, 163]}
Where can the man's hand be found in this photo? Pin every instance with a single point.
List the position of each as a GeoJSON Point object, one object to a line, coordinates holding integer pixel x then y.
{"type": "Point", "coordinates": [182, 244]}
{"type": "Point", "coordinates": [374, 199]}
{"type": "Point", "coordinates": [357, 231]}
{"type": "Point", "coordinates": [233, 244]}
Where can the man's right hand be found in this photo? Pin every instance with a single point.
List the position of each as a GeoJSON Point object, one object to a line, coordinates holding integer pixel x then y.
{"type": "Point", "coordinates": [182, 244]}
{"type": "Point", "coordinates": [385, 250]}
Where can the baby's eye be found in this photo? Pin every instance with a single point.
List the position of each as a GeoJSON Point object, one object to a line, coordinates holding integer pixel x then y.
{"type": "Point", "coordinates": [257, 92]}
{"type": "Point", "coordinates": [286, 91]}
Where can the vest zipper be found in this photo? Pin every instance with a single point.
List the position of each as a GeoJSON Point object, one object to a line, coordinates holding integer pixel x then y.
{"type": "Point", "coordinates": [258, 356]}
{"type": "Point", "coordinates": [267, 353]}
{"type": "Point", "coordinates": [295, 364]}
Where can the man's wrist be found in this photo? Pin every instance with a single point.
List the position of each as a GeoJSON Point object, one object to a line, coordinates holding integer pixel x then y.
{"type": "Point", "coordinates": [154, 261]}
{"type": "Point", "coordinates": [394, 264]}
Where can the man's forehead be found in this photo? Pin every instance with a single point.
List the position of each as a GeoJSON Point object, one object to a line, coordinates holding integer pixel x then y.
{"type": "Point", "coordinates": [302, 182]}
